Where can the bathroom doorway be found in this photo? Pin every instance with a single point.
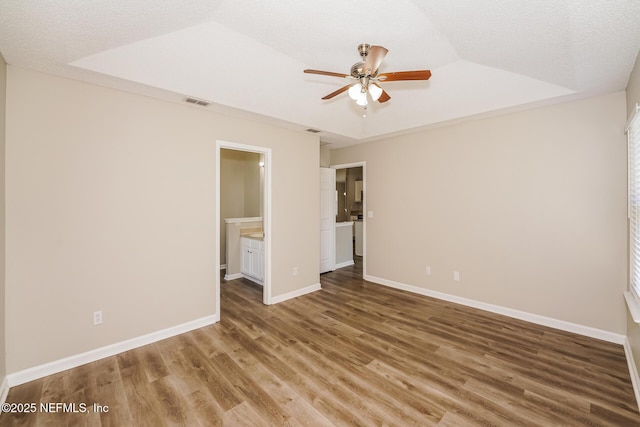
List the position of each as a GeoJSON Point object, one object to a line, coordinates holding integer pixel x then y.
{"type": "Point", "coordinates": [351, 208]}
{"type": "Point", "coordinates": [243, 199]}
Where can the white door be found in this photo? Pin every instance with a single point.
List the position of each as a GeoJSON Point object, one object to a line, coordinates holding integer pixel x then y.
{"type": "Point", "coordinates": [327, 219]}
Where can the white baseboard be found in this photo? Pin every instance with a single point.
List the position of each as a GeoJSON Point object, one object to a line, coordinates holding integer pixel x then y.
{"type": "Point", "coordinates": [296, 293]}
{"type": "Point", "coordinates": [4, 390]}
{"type": "Point", "coordinates": [517, 314]}
{"type": "Point", "coordinates": [56, 366]}
{"type": "Point", "coordinates": [233, 276]}
{"type": "Point", "coordinates": [344, 264]}
{"type": "Point", "coordinates": [223, 266]}
{"type": "Point", "coordinates": [633, 370]}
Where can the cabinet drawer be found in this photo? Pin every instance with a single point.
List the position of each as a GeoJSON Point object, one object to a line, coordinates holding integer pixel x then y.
{"type": "Point", "coordinates": [246, 242]}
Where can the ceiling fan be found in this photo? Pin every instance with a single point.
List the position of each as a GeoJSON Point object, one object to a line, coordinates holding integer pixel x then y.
{"type": "Point", "coordinates": [366, 75]}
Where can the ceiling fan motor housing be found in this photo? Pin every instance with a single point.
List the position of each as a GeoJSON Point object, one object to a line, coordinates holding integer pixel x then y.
{"type": "Point", "coordinates": [356, 69]}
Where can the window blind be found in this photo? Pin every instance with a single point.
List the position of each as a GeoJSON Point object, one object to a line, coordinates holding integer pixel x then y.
{"type": "Point", "coordinates": [633, 135]}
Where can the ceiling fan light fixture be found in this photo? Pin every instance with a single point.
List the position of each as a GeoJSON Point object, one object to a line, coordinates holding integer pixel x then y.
{"type": "Point", "coordinates": [365, 76]}
{"type": "Point", "coordinates": [355, 91]}
{"type": "Point", "coordinates": [375, 92]}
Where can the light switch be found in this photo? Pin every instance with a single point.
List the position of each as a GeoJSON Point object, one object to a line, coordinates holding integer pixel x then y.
{"type": "Point", "coordinates": [370, 214]}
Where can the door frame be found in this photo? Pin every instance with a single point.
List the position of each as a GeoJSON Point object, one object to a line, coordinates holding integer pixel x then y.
{"type": "Point", "coordinates": [362, 164]}
{"type": "Point", "coordinates": [266, 216]}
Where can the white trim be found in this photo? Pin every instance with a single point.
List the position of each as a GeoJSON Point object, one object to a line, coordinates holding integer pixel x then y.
{"type": "Point", "coordinates": [632, 305]}
{"type": "Point", "coordinates": [233, 276]}
{"type": "Point", "coordinates": [296, 293]}
{"type": "Point", "coordinates": [56, 366]}
{"type": "Point", "coordinates": [348, 165]}
{"type": "Point", "coordinates": [517, 314]}
{"type": "Point", "coordinates": [223, 267]}
{"type": "Point", "coordinates": [344, 264]}
{"type": "Point", "coordinates": [266, 213]}
{"type": "Point", "coordinates": [633, 370]}
{"type": "Point", "coordinates": [4, 390]}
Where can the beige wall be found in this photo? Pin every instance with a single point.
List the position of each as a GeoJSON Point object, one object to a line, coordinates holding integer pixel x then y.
{"type": "Point", "coordinates": [111, 206]}
{"type": "Point", "coordinates": [633, 97]}
{"type": "Point", "coordinates": [239, 189]}
{"type": "Point", "coordinates": [529, 207]}
{"type": "Point", "coordinates": [3, 98]}
{"type": "Point", "coordinates": [325, 157]}
{"type": "Point", "coordinates": [252, 185]}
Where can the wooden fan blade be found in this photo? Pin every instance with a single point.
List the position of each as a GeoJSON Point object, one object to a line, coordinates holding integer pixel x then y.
{"type": "Point", "coordinates": [337, 92]}
{"type": "Point", "coordinates": [373, 59]}
{"type": "Point", "coordinates": [384, 97]}
{"type": "Point", "coordinates": [326, 73]}
{"type": "Point", "coordinates": [405, 75]}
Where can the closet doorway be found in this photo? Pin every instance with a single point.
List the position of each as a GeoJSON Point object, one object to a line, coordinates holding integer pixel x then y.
{"type": "Point", "coordinates": [243, 199]}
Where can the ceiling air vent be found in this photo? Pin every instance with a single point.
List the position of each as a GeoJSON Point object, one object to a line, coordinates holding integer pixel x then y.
{"type": "Point", "coordinates": [196, 101]}
{"type": "Point", "coordinates": [313, 130]}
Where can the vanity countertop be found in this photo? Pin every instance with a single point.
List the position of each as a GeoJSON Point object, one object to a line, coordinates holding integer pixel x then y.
{"type": "Point", "coordinates": [344, 224]}
{"type": "Point", "coordinates": [253, 233]}
{"type": "Point", "coordinates": [255, 236]}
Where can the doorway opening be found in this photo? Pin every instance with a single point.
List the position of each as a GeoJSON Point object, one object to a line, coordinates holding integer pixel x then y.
{"type": "Point", "coordinates": [243, 187]}
{"type": "Point", "coordinates": [351, 184]}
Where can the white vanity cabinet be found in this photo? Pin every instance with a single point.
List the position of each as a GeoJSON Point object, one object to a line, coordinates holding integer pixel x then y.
{"type": "Point", "coordinates": [252, 266]}
{"type": "Point", "coordinates": [358, 237]}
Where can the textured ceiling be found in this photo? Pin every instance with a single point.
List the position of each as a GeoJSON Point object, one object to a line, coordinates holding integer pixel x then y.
{"type": "Point", "coordinates": [247, 57]}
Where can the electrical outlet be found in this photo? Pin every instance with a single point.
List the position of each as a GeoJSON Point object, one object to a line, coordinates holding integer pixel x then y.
{"type": "Point", "coordinates": [428, 271]}
{"type": "Point", "coordinates": [295, 271]}
{"type": "Point", "coordinates": [456, 276]}
{"type": "Point", "coordinates": [97, 317]}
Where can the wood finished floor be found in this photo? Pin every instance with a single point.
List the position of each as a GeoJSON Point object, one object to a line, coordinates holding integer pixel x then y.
{"type": "Point", "coordinates": [354, 353]}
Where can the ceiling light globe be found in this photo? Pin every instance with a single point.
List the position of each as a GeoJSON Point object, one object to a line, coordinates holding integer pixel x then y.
{"type": "Point", "coordinates": [355, 91]}
{"type": "Point", "coordinates": [362, 99]}
{"type": "Point", "coordinates": [375, 91]}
